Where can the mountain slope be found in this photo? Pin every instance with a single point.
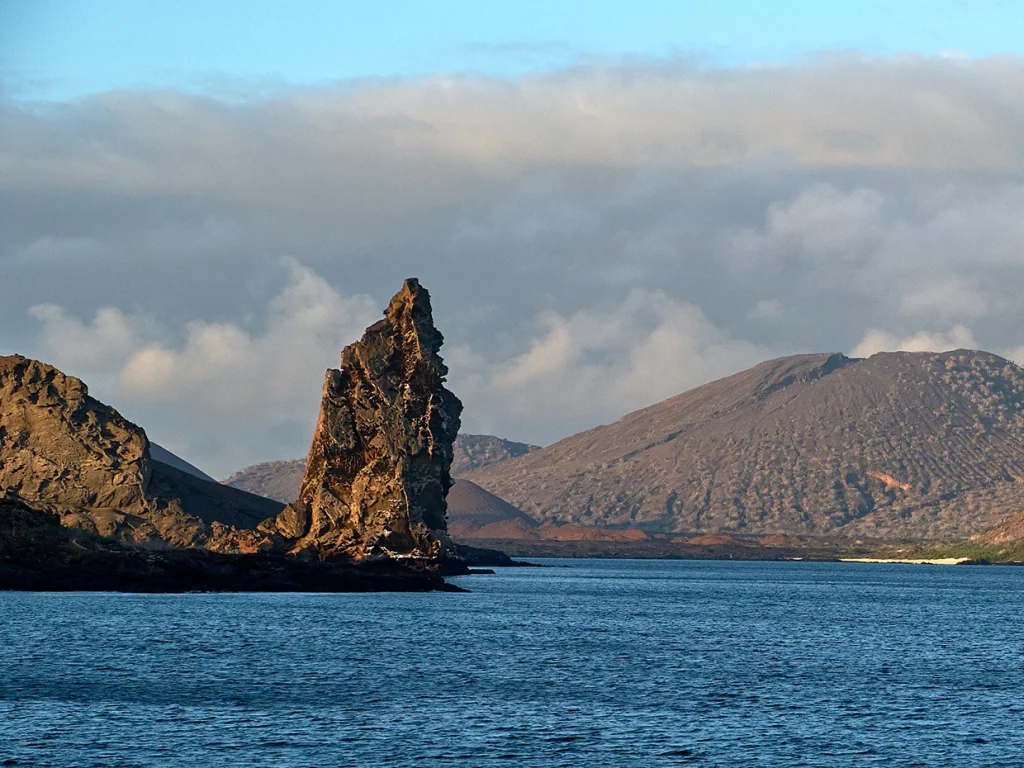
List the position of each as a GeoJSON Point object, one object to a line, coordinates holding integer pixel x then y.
{"type": "Point", "coordinates": [161, 454]}
{"type": "Point", "coordinates": [478, 451]}
{"type": "Point", "coordinates": [472, 509]}
{"type": "Point", "coordinates": [898, 444]}
{"type": "Point", "coordinates": [278, 480]}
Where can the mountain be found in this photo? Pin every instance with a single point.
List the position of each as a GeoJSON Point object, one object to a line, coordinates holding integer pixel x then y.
{"type": "Point", "coordinates": [898, 444]}
{"type": "Point", "coordinates": [1009, 531]}
{"type": "Point", "coordinates": [280, 480]}
{"type": "Point", "coordinates": [478, 451]}
{"type": "Point", "coordinates": [68, 453]}
{"type": "Point", "coordinates": [161, 454]}
{"type": "Point", "coordinates": [475, 513]}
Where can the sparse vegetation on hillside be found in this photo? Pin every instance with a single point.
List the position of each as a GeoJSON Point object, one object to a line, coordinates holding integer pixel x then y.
{"type": "Point", "coordinates": [918, 445]}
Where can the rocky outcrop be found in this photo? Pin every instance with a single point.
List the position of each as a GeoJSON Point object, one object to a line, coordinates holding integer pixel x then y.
{"type": "Point", "coordinates": [282, 479]}
{"type": "Point", "coordinates": [378, 469]}
{"type": "Point", "coordinates": [38, 553]}
{"type": "Point", "coordinates": [62, 450]}
{"type": "Point", "coordinates": [61, 447]}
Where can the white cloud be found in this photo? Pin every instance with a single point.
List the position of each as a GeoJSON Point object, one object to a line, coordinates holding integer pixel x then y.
{"type": "Point", "coordinates": [948, 297]}
{"type": "Point", "coordinates": [597, 365]}
{"type": "Point", "coordinates": [222, 377]}
{"type": "Point", "coordinates": [766, 309]}
{"type": "Point", "coordinates": [874, 340]}
{"type": "Point", "coordinates": [1016, 355]}
{"type": "Point", "coordinates": [104, 341]}
{"type": "Point", "coordinates": [233, 370]}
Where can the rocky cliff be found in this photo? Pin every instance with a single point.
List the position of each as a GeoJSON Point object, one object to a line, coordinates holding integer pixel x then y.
{"type": "Point", "coordinates": [898, 444]}
{"type": "Point", "coordinates": [62, 450]}
{"type": "Point", "coordinates": [378, 468]}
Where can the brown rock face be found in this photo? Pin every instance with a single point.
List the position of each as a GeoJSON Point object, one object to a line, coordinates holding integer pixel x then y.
{"type": "Point", "coordinates": [64, 451]}
{"type": "Point", "coordinates": [378, 469]}
{"type": "Point", "coordinates": [62, 447]}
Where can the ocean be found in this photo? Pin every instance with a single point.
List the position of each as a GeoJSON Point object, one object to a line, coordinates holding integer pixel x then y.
{"type": "Point", "coordinates": [584, 663]}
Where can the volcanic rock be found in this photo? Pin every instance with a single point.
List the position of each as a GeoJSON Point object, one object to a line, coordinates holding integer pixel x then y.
{"type": "Point", "coordinates": [62, 450]}
{"type": "Point", "coordinates": [281, 479]}
{"type": "Point", "coordinates": [38, 553]}
{"type": "Point", "coordinates": [378, 468]}
{"type": "Point", "coordinates": [904, 444]}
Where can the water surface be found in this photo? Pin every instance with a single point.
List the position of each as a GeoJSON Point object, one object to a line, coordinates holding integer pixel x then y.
{"type": "Point", "coordinates": [616, 663]}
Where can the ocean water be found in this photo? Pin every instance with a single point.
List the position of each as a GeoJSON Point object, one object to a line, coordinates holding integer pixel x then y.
{"type": "Point", "coordinates": [591, 663]}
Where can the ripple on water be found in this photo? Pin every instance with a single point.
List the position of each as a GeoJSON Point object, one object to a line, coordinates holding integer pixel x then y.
{"type": "Point", "coordinates": [616, 663]}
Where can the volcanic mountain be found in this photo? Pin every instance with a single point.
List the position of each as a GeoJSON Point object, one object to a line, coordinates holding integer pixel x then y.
{"type": "Point", "coordinates": [926, 445]}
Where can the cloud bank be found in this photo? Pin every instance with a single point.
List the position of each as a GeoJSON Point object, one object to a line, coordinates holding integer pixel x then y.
{"type": "Point", "coordinates": [594, 239]}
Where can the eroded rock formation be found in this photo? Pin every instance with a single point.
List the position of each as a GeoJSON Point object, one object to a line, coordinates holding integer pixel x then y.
{"type": "Point", "coordinates": [60, 446]}
{"type": "Point", "coordinates": [378, 469]}
{"type": "Point", "coordinates": [64, 451]}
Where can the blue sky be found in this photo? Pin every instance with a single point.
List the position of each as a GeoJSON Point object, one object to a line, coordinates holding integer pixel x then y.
{"type": "Point", "coordinates": [58, 49]}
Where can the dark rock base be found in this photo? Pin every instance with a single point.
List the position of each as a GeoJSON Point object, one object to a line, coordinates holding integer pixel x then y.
{"type": "Point", "coordinates": [37, 554]}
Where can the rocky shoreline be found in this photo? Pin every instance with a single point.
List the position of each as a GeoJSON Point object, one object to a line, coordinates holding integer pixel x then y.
{"type": "Point", "coordinates": [38, 554]}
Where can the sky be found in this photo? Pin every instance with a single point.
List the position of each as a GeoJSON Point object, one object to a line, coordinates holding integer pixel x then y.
{"type": "Point", "coordinates": [201, 203]}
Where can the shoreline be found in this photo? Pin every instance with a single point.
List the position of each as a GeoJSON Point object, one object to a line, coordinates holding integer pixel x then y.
{"type": "Point", "coordinates": [909, 561]}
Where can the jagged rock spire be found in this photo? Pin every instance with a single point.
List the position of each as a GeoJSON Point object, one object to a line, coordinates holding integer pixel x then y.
{"type": "Point", "coordinates": [378, 469]}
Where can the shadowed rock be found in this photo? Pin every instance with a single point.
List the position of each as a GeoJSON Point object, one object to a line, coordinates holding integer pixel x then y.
{"type": "Point", "coordinates": [378, 469]}
{"type": "Point", "coordinates": [38, 553]}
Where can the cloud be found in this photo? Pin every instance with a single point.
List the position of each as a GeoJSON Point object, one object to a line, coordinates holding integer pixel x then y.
{"type": "Point", "coordinates": [597, 365]}
{"type": "Point", "coordinates": [594, 238]}
{"type": "Point", "coordinates": [875, 340]}
{"type": "Point", "coordinates": [94, 345]}
{"type": "Point", "coordinates": [221, 373]}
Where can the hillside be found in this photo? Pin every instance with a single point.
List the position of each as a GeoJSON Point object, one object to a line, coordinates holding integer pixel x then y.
{"type": "Point", "coordinates": [471, 510]}
{"type": "Point", "coordinates": [478, 451]}
{"type": "Point", "coordinates": [161, 454]}
{"type": "Point", "coordinates": [898, 444]}
{"type": "Point", "coordinates": [278, 480]}
{"type": "Point", "coordinates": [1009, 531]}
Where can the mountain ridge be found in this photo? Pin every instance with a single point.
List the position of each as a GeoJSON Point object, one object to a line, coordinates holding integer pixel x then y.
{"type": "Point", "coordinates": [805, 444]}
